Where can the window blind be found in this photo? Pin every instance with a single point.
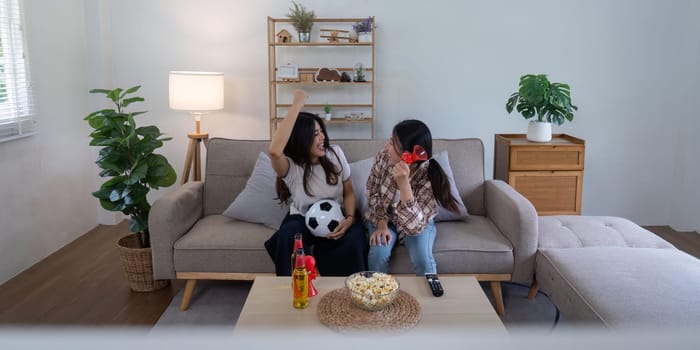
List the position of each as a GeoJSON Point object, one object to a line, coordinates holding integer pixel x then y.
{"type": "Point", "coordinates": [16, 100]}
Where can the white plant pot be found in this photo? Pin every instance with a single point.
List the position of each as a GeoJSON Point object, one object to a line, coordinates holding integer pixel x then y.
{"type": "Point", "coordinates": [539, 131]}
{"type": "Point", "coordinates": [328, 116]}
{"type": "Point", "coordinates": [364, 37]}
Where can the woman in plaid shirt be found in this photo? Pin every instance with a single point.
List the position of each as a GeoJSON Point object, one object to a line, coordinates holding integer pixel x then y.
{"type": "Point", "coordinates": [403, 199]}
{"type": "Point", "coordinates": [310, 169]}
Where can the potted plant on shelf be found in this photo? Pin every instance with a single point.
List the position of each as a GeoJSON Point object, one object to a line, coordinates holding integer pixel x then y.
{"type": "Point", "coordinates": [127, 159]}
{"type": "Point", "coordinates": [359, 73]}
{"type": "Point", "coordinates": [549, 102]}
{"type": "Point", "coordinates": [302, 20]}
{"type": "Point", "coordinates": [363, 29]}
{"type": "Point", "coordinates": [327, 110]}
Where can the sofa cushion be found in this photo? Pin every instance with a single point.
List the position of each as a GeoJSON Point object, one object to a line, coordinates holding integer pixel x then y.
{"type": "Point", "coordinates": [359, 172]}
{"type": "Point", "coordinates": [229, 166]}
{"type": "Point", "coordinates": [621, 287]}
{"type": "Point", "coordinates": [257, 202]}
{"type": "Point", "coordinates": [474, 246]}
{"type": "Point", "coordinates": [236, 246]}
{"type": "Point", "coordinates": [566, 231]}
{"type": "Point", "coordinates": [443, 214]}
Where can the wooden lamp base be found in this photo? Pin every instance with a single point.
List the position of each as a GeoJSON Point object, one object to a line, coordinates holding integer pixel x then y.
{"type": "Point", "coordinates": [193, 158]}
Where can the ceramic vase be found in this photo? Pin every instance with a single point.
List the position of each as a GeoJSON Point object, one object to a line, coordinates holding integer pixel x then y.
{"type": "Point", "coordinates": [539, 131]}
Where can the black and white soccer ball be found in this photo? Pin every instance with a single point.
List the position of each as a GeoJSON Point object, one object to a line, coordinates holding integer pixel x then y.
{"type": "Point", "coordinates": [323, 217]}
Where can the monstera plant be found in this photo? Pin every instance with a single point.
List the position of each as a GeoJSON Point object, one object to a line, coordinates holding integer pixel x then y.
{"type": "Point", "coordinates": [127, 158]}
{"type": "Point", "coordinates": [548, 102]}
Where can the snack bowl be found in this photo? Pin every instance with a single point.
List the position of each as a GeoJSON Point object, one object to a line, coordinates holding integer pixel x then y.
{"type": "Point", "coordinates": [372, 290]}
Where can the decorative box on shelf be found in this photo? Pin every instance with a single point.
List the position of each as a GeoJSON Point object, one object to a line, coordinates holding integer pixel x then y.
{"type": "Point", "coordinates": [549, 174]}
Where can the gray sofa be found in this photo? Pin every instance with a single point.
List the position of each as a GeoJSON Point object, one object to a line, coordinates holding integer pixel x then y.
{"type": "Point", "coordinates": [609, 272]}
{"type": "Point", "coordinates": [191, 240]}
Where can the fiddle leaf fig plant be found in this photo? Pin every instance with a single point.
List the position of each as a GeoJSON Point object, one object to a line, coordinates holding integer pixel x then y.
{"type": "Point", "coordinates": [127, 159]}
{"type": "Point", "coordinates": [537, 97]}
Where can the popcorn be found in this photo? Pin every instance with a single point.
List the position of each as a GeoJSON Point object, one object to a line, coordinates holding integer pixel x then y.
{"type": "Point", "coordinates": [372, 290]}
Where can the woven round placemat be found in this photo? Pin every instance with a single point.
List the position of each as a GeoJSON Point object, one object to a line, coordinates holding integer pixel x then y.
{"type": "Point", "coordinates": [337, 312]}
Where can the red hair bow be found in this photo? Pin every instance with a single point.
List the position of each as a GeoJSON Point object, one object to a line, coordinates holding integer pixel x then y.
{"type": "Point", "coordinates": [419, 153]}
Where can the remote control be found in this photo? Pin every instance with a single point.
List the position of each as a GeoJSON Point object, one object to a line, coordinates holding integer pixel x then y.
{"type": "Point", "coordinates": [434, 283]}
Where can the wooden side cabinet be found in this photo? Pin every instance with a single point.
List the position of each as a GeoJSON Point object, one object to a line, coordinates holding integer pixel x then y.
{"type": "Point", "coordinates": [549, 174]}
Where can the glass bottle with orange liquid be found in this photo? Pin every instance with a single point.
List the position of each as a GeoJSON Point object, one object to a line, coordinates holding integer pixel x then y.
{"type": "Point", "coordinates": [300, 281]}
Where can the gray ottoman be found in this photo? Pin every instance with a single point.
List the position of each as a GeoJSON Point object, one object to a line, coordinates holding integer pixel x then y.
{"type": "Point", "coordinates": [611, 272]}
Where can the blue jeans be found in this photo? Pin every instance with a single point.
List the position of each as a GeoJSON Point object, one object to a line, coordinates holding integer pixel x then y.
{"type": "Point", "coordinates": [420, 249]}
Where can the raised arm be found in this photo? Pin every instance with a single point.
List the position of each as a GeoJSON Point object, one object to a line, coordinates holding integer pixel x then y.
{"type": "Point", "coordinates": [284, 131]}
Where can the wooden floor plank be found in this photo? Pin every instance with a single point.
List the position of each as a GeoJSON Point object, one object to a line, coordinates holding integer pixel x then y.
{"type": "Point", "coordinates": [83, 283]}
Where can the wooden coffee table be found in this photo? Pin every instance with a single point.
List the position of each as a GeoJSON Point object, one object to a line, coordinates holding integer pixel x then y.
{"type": "Point", "coordinates": [464, 306]}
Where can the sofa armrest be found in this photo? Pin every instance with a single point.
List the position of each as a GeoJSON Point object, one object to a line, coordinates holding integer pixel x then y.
{"type": "Point", "coordinates": [170, 218]}
{"type": "Point", "coordinates": [516, 218]}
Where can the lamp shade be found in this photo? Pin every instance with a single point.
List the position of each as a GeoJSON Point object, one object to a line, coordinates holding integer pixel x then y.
{"type": "Point", "coordinates": [196, 91]}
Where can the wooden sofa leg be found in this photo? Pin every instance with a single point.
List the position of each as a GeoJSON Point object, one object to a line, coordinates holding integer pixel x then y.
{"type": "Point", "coordinates": [189, 288]}
{"type": "Point", "coordinates": [498, 297]}
{"type": "Point", "coordinates": [533, 290]}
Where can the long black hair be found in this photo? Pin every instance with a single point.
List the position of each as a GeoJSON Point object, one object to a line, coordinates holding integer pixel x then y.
{"type": "Point", "coordinates": [413, 132]}
{"type": "Point", "coordinates": [298, 148]}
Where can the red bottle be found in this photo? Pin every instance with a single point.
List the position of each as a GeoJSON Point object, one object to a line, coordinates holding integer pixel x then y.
{"type": "Point", "coordinates": [298, 244]}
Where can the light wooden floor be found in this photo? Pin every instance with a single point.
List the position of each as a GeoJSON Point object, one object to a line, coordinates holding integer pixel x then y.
{"type": "Point", "coordinates": [84, 284]}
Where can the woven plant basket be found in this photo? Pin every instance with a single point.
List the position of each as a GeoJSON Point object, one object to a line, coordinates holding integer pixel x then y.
{"type": "Point", "coordinates": [138, 265]}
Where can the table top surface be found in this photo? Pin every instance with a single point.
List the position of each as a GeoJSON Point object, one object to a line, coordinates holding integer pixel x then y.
{"type": "Point", "coordinates": [464, 306]}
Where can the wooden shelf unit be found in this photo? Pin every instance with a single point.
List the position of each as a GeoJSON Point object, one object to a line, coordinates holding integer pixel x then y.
{"type": "Point", "coordinates": [549, 174]}
{"type": "Point", "coordinates": [273, 26]}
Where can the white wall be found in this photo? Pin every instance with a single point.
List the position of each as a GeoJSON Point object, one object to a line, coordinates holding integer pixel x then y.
{"type": "Point", "coordinates": [453, 64]}
{"type": "Point", "coordinates": [685, 212]}
{"type": "Point", "coordinates": [46, 180]}
{"type": "Point", "coordinates": [632, 65]}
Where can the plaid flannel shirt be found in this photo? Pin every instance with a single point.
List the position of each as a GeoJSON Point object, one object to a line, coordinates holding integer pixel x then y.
{"type": "Point", "coordinates": [410, 217]}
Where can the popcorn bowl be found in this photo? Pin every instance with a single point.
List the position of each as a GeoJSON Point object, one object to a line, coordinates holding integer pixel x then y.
{"type": "Point", "coordinates": [372, 290]}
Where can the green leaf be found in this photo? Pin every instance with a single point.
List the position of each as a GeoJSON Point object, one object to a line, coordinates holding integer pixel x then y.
{"type": "Point", "coordinates": [128, 200]}
{"type": "Point", "coordinates": [533, 89]}
{"type": "Point", "coordinates": [102, 193]}
{"type": "Point", "coordinates": [137, 174]}
{"type": "Point", "coordinates": [107, 205]}
{"type": "Point", "coordinates": [131, 90]}
{"type": "Point", "coordinates": [99, 91]}
{"type": "Point", "coordinates": [135, 225]}
{"type": "Point", "coordinates": [114, 95]}
{"type": "Point", "coordinates": [113, 181]}
{"type": "Point", "coordinates": [147, 146]}
{"type": "Point", "coordinates": [161, 173]}
{"type": "Point", "coordinates": [96, 121]}
{"type": "Point", "coordinates": [129, 101]}
{"type": "Point", "coordinates": [115, 195]}
{"type": "Point", "coordinates": [527, 110]}
{"type": "Point", "coordinates": [108, 172]}
{"type": "Point", "coordinates": [512, 101]}
{"type": "Point", "coordinates": [149, 131]}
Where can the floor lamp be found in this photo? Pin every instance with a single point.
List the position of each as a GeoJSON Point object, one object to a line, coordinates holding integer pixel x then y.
{"type": "Point", "coordinates": [197, 93]}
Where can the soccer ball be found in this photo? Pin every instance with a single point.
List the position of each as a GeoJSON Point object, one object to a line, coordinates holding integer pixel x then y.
{"type": "Point", "coordinates": [323, 217]}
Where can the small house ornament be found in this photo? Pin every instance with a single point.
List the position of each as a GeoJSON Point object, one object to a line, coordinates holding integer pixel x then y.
{"type": "Point", "coordinates": [284, 37]}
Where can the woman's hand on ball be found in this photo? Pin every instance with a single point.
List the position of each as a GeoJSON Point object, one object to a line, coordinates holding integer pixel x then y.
{"type": "Point", "coordinates": [341, 229]}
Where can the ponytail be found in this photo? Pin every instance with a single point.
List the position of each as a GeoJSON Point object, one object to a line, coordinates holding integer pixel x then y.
{"type": "Point", "coordinates": [283, 192]}
{"type": "Point", "coordinates": [441, 186]}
